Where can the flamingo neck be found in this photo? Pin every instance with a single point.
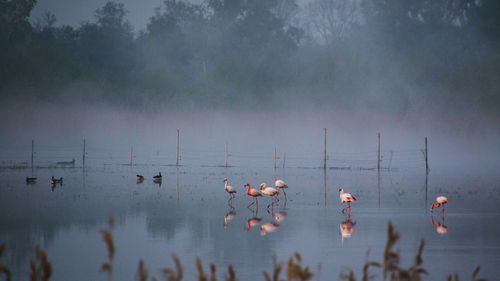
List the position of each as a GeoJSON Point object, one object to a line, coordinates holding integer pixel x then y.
{"type": "Point", "coordinates": [248, 189]}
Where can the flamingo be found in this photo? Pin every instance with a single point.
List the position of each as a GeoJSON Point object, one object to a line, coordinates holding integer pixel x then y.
{"type": "Point", "coordinates": [346, 198]}
{"type": "Point", "coordinates": [229, 189]}
{"type": "Point", "coordinates": [281, 184]}
{"type": "Point", "coordinates": [269, 191]}
{"type": "Point", "coordinates": [254, 193]}
{"type": "Point", "coordinates": [268, 227]}
{"type": "Point", "coordinates": [440, 200]}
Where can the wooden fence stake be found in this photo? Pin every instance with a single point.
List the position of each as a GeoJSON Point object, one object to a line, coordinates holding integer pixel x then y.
{"type": "Point", "coordinates": [324, 150]}
{"type": "Point", "coordinates": [378, 151]}
{"type": "Point", "coordinates": [177, 149]}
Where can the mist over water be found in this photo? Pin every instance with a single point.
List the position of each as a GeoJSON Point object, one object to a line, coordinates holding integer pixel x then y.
{"type": "Point", "coordinates": [254, 84]}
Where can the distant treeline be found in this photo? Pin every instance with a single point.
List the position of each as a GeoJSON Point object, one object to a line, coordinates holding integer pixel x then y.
{"type": "Point", "coordinates": [391, 54]}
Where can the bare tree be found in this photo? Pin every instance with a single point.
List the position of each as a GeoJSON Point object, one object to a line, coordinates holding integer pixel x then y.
{"type": "Point", "coordinates": [330, 20]}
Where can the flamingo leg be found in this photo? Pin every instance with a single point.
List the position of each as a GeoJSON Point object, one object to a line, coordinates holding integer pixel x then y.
{"type": "Point", "coordinates": [285, 195]}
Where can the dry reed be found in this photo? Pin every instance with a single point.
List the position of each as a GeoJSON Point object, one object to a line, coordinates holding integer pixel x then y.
{"type": "Point", "coordinates": [40, 267]}
{"type": "Point", "coordinates": [4, 270]}
{"type": "Point", "coordinates": [107, 236]}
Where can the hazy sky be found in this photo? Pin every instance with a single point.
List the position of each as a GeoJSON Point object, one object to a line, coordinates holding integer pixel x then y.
{"type": "Point", "coordinates": [73, 12]}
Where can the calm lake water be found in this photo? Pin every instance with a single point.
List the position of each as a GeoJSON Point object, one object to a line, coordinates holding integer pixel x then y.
{"type": "Point", "coordinates": [188, 215]}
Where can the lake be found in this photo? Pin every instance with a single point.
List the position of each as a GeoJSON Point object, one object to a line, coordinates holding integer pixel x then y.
{"type": "Point", "coordinates": [189, 215]}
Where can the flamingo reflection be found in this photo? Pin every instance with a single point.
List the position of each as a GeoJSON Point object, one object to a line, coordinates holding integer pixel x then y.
{"type": "Point", "coordinates": [279, 216]}
{"type": "Point", "coordinates": [229, 216]}
{"type": "Point", "coordinates": [347, 227]}
{"type": "Point", "coordinates": [441, 228]}
{"type": "Point", "coordinates": [254, 221]}
{"type": "Point", "coordinates": [268, 227]}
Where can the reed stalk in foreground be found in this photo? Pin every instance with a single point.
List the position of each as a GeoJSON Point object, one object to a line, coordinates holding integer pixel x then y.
{"type": "Point", "coordinates": [107, 236]}
{"type": "Point", "coordinates": [40, 267]}
{"type": "Point", "coordinates": [4, 270]}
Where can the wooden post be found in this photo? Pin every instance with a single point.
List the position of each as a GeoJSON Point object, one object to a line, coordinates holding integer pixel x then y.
{"type": "Point", "coordinates": [426, 159]}
{"type": "Point", "coordinates": [131, 151]}
{"type": "Point", "coordinates": [324, 150]}
{"type": "Point", "coordinates": [378, 152]}
{"type": "Point", "coordinates": [275, 158]}
{"type": "Point", "coordinates": [177, 154]}
{"type": "Point", "coordinates": [226, 153]}
{"type": "Point", "coordinates": [32, 151]}
{"type": "Point", "coordinates": [84, 153]}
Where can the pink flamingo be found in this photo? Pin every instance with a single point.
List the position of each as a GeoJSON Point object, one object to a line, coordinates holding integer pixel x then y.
{"type": "Point", "coordinates": [440, 200]}
{"type": "Point", "coordinates": [346, 198]}
{"type": "Point", "coordinates": [254, 193]}
{"type": "Point", "coordinates": [269, 191]}
{"type": "Point", "coordinates": [281, 185]}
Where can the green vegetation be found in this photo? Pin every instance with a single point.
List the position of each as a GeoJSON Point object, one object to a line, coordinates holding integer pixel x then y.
{"type": "Point", "coordinates": [41, 269]}
{"type": "Point", "coordinates": [398, 55]}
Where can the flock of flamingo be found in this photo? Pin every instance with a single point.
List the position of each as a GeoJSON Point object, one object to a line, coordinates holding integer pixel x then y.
{"type": "Point", "coordinates": [346, 226]}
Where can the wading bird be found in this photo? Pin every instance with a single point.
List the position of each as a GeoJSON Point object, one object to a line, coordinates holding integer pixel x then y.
{"type": "Point", "coordinates": [281, 184]}
{"type": "Point", "coordinates": [157, 178]}
{"type": "Point", "coordinates": [269, 191]}
{"type": "Point", "coordinates": [254, 193]}
{"type": "Point", "coordinates": [54, 181]}
{"type": "Point", "coordinates": [229, 189]}
{"type": "Point", "coordinates": [30, 180]}
{"type": "Point", "coordinates": [440, 200]}
{"type": "Point", "coordinates": [346, 198]}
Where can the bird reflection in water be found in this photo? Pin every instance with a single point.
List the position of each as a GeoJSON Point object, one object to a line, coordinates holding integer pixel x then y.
{"type": "Point", "coordinates": [347, 227]}
{"type": "Point", "coordinates": [158, 179]}
{"type": "Point", "coordinates": [279, 216]}
{"type": "Point", "coordinates": [268, 227]}
{"type": "Point", "coordinates": [140, 179]}
{"type": "Point", "coordinates": [230, 214]}
{"type": "Point", "coordinates": [441, 228]}
{"type": "Point", "coordinates": [254, 221]}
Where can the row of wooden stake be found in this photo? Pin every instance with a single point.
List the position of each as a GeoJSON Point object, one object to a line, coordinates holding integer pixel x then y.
{"type": "Point", "coordinates": [227, 153]}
